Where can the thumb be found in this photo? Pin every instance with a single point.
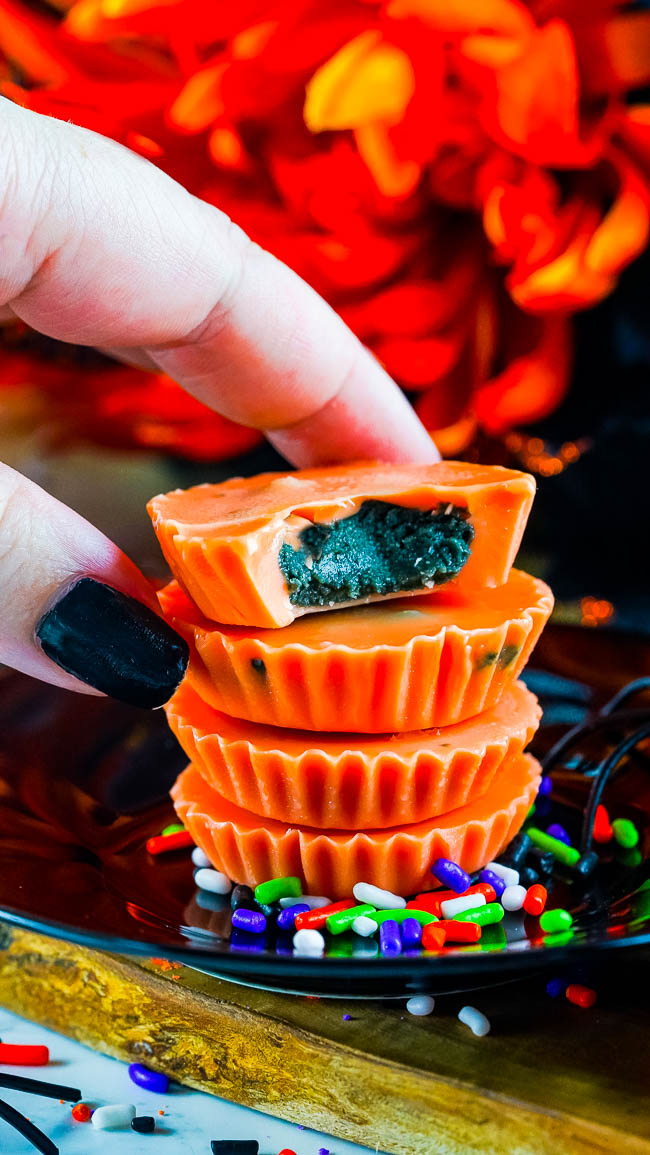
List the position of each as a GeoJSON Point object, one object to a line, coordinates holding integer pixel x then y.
{"type": "Point", "coordinates": [74, 610]}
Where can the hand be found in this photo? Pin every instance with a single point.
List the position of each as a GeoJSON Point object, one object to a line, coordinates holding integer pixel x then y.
{"type": "Point", "coordinates": [99, 247]}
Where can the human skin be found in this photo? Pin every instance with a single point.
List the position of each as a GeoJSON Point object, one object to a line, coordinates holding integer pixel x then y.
{"type": "Point", "coordinates": [98, 247]}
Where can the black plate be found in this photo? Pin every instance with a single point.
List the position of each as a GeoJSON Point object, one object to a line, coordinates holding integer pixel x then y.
{"type": "Point", "coordinates": [84, 781]}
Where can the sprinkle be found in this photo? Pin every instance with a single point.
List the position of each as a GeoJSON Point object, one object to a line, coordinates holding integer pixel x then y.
{"type": "Point", "coordinates": [143, 1124]}
{"type": "Point", "coordinates": [456, 931]}
{"type": "Point", "coordinates": [212, 880]}
{"type": "Point", "coordinates": [518, 849]}
{"type": "Point", "coordinates": [163, 843]}
{"type": "Point", "coordinates": [507, 873]}
{"type": "Point", "coordinates": [497, 883]}
{"type": "Point", "coordinates": [242, 896]}
{"type": "Point", "coordinates": [173, 828]}
{"type": "Point", "coordinates": [557, 831]}
{"type": "Point", "coordinates": [343, 919]}
{"type": "Point", "coordinates": [81, 1112]}
{"type": "Point", "coordinates": [323, 1151]}
{"type": "Point", "coordinates": [451, 875]}
{"type": "Point", "coordinates": [581, 996]}
{"type": "Point", "coordinates": [199, 858]}
{"type": "Point", "coordinates": [24, 1055]}
{"type": "Point", "coordinates": [433, 936]}
{"type": "Point", "coordinates": [39, 1087]}
{"type": "Point", "coordinates": [587, 863]}
{"type": "Point", "coordinates": [311, 901]}
{"type": "Point", "coordinates": [528, 876]}
{"type": "Point", "coordinates": [161, 1112]}
{"type": "Point", "coordinates": [347, 1018]}
{"type": "Point", "coordinates": [308, 942]}
{"type": "Point", "coordinates": [251, 920]}
{"type": "Point", "coordinates": [568, 855]}
{"type": "Point", "coordinates": [545, 786]}
{"type": "Point", "coordinates": [150, 1080]}
{"type": "Point", "coordinates": [420, 1005]}
{"type": "Point", "coordinates": [555, 987]}
{"type": "Point", "coordinates": [422, 916]}
{"type": "Point", "coordinates": [287, 917]}
{"type": "Point", "coordinates": [602, 831]}
{"type": "Point", "coordinates": [313, 919]}
{"type": "Point", "coordinates": [625, 833]}
{"type": "Point", "coordinates": [114, 1116]}
{"type": "Point", "coordinates": [556, 920]}
{"type": "Point", "coordinates": [364, 926]}
{"type": "Point", "coordinates": [234, 1147]}
{"type": "Point", "coordinates": [476, 1021]}
{"type": "Point", "coordinates": [535, 900]}
{"type": "Point", "coordinates": [411, 932]}
{"type": "Point", "coordinates": [381, 899]}
{"type": "Point", "coordinates": [390, 941]}
{"type": "Point", "coordinates": [277, 888]}
{"type": "Point", "coordinates": [483, 915]}
{"type": "Point", "coordinates": [542, 860]}
{"type": "Point", "coordinates": [453, 906]}
{"type": "Point", "coordinates": [513, 897]}
{"type": "Point", "coordinates": [287, 1151]}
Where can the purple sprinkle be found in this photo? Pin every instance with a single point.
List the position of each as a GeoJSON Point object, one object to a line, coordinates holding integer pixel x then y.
{"type": "Point", "coordinates": [323, 1151]}
{"type": "Point", "coordinates": [287, 917]}
{"type": "Point", "coordinates": [555, 987]}
{"type": "Point", "coordinates": [411, 933]}
{"type": "Point", "coordinates": [497, 883]}
{"type": "Point", "coordinates": [390, 941]}
{"type": "Point", "coordinates": [150, 1080]}
{"type": "Point", "coordinates": [557, 831]}
{"type": "Point", "coordinates": [347, 1018]}
{"type": "Point", "coordinates": [451, 875]}
{"type": "Point", "coordinates": [251, 920]}
{"type": "Point", "coordinates": [545, 786]}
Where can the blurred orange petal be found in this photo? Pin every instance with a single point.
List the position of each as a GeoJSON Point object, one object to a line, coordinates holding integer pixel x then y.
{"type": "Point", "coordinates": [533, 382]}
{"type": "Point", "coordinates": [393, 177]}
{"type": "Point", "coordinates": [417, 363]}
{"type": "Point", "coordinates": [465, 17]}
{"type": "Point", "coordinates": [453, 439]}
{"type": "Point", "coordinates": [199, 102]}
{"type": "Point", "coordinates": [366, 81]}
{"type": "Point", "coordinates": [623, 232]}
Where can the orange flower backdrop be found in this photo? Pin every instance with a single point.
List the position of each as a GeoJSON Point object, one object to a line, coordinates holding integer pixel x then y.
{"type": "Point", "coordinates": [456, 177]}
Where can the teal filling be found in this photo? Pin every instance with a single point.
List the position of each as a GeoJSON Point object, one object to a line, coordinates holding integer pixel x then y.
{"type": "Point", "coordinates": [380, 549]}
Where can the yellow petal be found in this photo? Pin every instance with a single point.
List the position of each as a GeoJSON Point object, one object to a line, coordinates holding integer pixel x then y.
{"type": "Point", "coordinates": [199, 102]}
{"type": "Point", "coordinates": [366, 81]}
{"type": "Point", "coordinates": [393, 177]}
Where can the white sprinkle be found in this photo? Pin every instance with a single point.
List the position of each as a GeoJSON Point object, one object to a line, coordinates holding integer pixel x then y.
{"type": "Point", "coordinates": [453, 906]}
{"type": "Point", "coordinates": [364, 926]}
{"type": "Point", "coordinates": [313, 901]}
{"type": "Point", "coordinates": [513, 897]}
{"type": "Point", "coordinates": [509, 876]}
{"type": "Point", "coordinates": [308, 942]}
{"type": "Point", "coordinates": [199, 858]}
{"type": "Point", "coordinates": [420, 1005]}
{"type": "Point", "coordinates": [374, 896]}
{"type": "Point", "coordinates": [475, 1020]}
{"type": "Point", "coordinates": [212, 880]}
{"type": "Point", "coordinates": [114, 1116]}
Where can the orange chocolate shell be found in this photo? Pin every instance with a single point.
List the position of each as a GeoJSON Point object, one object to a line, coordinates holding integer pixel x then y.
{"type": "Point", "coordinates": [352, 782]}
{"type": "Point", "coordinates": [397, 665]}
{"type": "Point", "coordinates": [223, 541]}
{"type": "Point", "coordinates": [250, 849]}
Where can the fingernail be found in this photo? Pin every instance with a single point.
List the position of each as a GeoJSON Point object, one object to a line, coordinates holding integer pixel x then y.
{"type": "Point", "coordinates": [115, 643]}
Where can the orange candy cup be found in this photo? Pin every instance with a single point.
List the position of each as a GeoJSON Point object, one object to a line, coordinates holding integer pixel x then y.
{"type": "Point", "coordinates": [351, 782]}
{"type": "Point", "coordinates": [251, 849]}
{"type": "Point", "coordinates": [222, 541]}
{"type": "Point", "coordinates": [403, 664]}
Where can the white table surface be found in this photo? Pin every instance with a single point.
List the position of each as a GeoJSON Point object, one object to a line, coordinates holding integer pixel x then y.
{"type": "Point", "coordinates": [190, 1121]}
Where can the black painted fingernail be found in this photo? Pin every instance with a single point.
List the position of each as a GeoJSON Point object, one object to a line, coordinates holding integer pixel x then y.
{"type": "Point", "coordinates": [114, 643]}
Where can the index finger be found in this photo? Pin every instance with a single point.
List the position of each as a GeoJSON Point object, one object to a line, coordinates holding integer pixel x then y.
{"type": "Point", "coordinates": [101, 248]}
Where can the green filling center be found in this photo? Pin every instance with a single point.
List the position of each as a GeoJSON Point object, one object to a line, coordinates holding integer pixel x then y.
{"type": "Point", "coordinates": [380, 549]}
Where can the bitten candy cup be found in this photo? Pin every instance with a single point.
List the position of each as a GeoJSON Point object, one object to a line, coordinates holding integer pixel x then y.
{"type": "Point", "coordinates": [407, 664]}
{"type": "Point", "coordinates": [352, 782]}
{"type": "Point", "coordinates": [253, 849]}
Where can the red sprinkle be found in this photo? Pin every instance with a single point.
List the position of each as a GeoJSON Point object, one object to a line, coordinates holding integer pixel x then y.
{"type": "Point", "coordinates": [17, 1055]}
{"type": "Point", "coordinates": [602, 826]}
{"type": "Point", "coordinates": [459, 931]}
{"type": "Point", "coordinates": [81, 1112]}
{"type": "Point", "coordinates": [286, 1150]}
{"type": "Point", "coordinates": [161, 1112]}
{"type": "Point", "coordinates": [431, 900]}
{"type": "Point", "coordinates": [535, 899]}
{"type": "Point", "coordinates": [313, 919]}
{"type": "Point", "coordinates": [433, 936]}
{"type": "Point", "coordinates": [164, 842]}
{"type": "Point", "coordinates": [581, 996]}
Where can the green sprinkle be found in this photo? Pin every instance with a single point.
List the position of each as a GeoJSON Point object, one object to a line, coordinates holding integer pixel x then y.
{"type": "Point", "coordinates": [277, 888]}
{"type": "Point", "coordinates": [530, 813]}
{"type": "Point", "coordinates": [484, 915]}
{"type": "Point", "coordinates": [493, 937]}
{"type": "Point", "coordinates": [173, 828]}
{"type": "Point", "coordinates": [559, 939]}
{"type": "Point", "coordinates": [566, 854]}
{"type": "Point", "coordinates": [343, 919]}
{"type": "Point", "coordinates": [552, 921]}
{"type": "Point", "coordinates": [341, 948]}
{"type": "Point", "coordinates": [625, 832]}
{"type": "Point", "coordinates": [630, 858]}
{"type": "Point", "coordinates": [424, 917]}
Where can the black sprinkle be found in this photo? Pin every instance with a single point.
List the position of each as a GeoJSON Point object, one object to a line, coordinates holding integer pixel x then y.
{"type": "Point", "coordinates": [541, 860]}
{"type": "Point", "coordinates": [587, 863]}
{"type": "Point", "coordinates": [234, 1147]}
{"type": "Point", "coordinates": [528, 876]}
{"type": "Point", "coordinates": [242, 896]}
{"type": "Point", "coordinates": [143, 1124]}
